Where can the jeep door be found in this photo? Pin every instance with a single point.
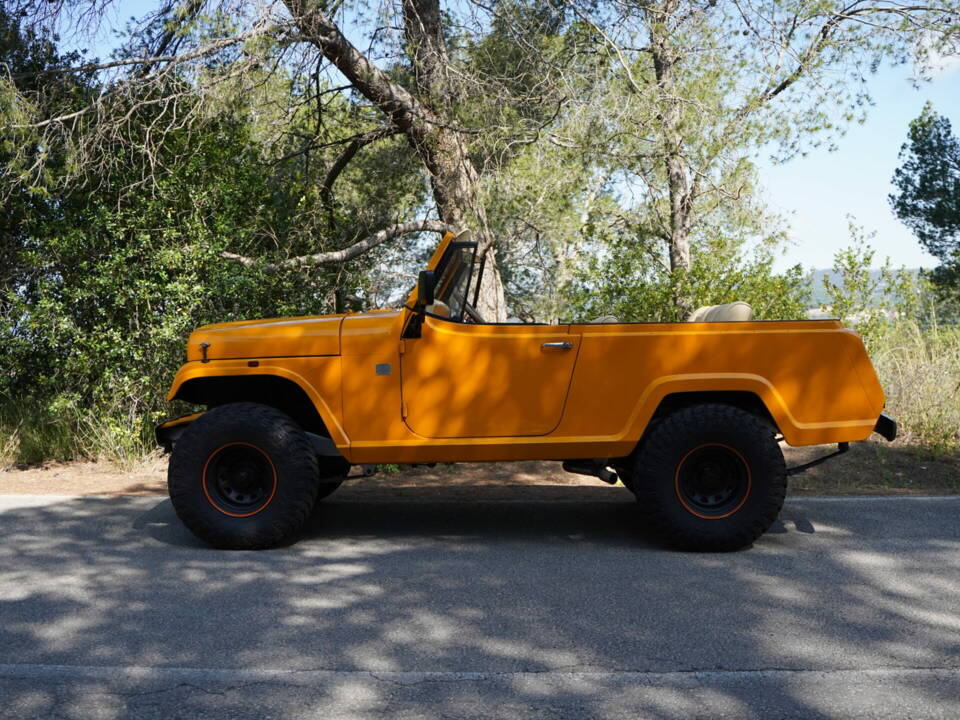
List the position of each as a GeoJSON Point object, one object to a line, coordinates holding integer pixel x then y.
{"type": "Point", "coordinates": [464, 380]}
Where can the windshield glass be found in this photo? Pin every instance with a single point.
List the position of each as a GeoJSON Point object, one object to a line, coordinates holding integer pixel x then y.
{"type": "Point", "coordinates": [453, 279]}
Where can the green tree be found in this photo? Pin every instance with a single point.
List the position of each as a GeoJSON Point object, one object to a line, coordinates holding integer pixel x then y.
{"type": "Point", "coordinates": [928, 201]}
{"type": "Point", "coordinates": [672, 96]}
{"type": "Point", "coordinates": [631, 284]}
{"type": "Point", "coordinates": [30, 54]}
{"type": "Point", "coordinates": [669, 103]}
{"type": "Point", "coordinates": [704, 85]}
{"type": "Point", "coordinates": [928, 180]}
{"type": "Point", "coordinates": [102, 282]}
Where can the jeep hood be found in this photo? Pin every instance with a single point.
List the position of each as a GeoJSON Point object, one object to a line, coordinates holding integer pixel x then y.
{"type": "Point", "coordinates": [274, 337]}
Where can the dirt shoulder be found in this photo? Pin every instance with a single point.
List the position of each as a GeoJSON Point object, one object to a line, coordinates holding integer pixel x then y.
{"type": "Point", "coordinates": [868, 469]}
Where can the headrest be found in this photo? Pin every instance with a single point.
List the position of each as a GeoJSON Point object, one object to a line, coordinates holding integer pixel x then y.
{"type": "Point", "coordinates": [730, 312]}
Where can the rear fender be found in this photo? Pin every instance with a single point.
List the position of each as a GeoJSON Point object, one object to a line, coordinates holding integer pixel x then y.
{"type": "Point", "coordinates": [793, 431]}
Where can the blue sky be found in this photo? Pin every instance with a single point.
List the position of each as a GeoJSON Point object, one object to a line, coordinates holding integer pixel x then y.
{"type": "Point", "coordinates": [815, 193]}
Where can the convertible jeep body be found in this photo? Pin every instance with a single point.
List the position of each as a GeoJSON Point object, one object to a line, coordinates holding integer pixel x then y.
{"type": "Point", "coordinates": [688, 415]}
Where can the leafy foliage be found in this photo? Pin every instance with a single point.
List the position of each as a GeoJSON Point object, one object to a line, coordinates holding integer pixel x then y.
{"type": "Point", "coordinates": [631, 284]}
{"type": "Point", "coordinates": [102, 282]}
{"type": "Point", "coordinates": [928, 201]}
{"type": "Point", "coordinates": [929, 184]}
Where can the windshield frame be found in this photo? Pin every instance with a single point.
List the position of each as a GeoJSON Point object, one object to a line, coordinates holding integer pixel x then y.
{"type": "Point", "coordinates": [446, 288]}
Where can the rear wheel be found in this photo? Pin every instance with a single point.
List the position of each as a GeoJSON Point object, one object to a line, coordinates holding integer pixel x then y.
{"type": "Point", "coordinates": [243, 476]}
{"type": "Point", "coordinates": [710, 477]}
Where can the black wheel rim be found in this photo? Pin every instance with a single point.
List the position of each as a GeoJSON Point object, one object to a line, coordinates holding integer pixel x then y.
{"type": "Point", "coordinates": [239, 479]}
{"type": "Point", "coordinates": [713, 481]}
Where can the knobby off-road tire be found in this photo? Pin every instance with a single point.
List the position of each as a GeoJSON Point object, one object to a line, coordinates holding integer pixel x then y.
{"type": "Point", "coordinates": [243, 477]}
{"type": "Point", "coordinates": [710, 478]}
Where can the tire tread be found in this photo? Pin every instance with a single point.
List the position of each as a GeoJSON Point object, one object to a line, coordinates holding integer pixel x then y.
{"type": "Point", "coordinates": [655, 454]}
{"type": "Point", "coordinates": [285, 432]}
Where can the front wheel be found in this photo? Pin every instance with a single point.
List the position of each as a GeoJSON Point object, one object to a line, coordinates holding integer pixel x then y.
{"type": "Point", "coordinates": [243, 476]}
{"type": "Point", "coordinates": [710, 478]}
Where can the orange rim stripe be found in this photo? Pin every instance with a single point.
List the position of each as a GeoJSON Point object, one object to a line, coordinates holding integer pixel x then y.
{"type": "Point", "coordinates": [203, 480]}
{"type": "Point", "coordinates": [676, 482]}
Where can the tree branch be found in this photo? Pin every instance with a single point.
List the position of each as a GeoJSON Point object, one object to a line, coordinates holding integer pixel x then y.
{"type": "Point", "coordinates": [853, 12]}
{"type": "Point", "coordinates": [348, 253]}
{"type": "Point", "coordinates": [149, 60]}
{"type": "Point", "coordinates": [169, 41]}
{"type": "Point", "coordinates": [408, 113]}
{"type": "Point", "coordinates": [359, 141]}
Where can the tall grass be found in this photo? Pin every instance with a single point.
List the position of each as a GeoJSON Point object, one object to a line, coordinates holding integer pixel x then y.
{"type": "Point", "coordinates": [919, 369]}
{"type": "Point", "coordinates": [33, 432]}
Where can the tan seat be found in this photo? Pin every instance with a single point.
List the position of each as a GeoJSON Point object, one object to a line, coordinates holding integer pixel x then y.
{"type": "Point", "coordinates": [730, 312]}
{"type": "Point", "coordinates": [438, 308]}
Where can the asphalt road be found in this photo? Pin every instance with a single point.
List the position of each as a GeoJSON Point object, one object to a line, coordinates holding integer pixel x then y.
{"type": "Point", "coordinates": [523, 609]}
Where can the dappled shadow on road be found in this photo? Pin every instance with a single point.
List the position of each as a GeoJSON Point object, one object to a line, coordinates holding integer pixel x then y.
{"type": "Point", "coordinates": [506, 591]}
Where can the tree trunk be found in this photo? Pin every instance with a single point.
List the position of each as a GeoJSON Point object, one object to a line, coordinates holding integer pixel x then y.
{"type": "Point", "coordinates": [441, 147]}
{"type": "Point", "coordinates": [453, 176]}
{"type": "Point", "coordinates": [665, 58]}
{"type": "Point", "coordinates": [454, 180]}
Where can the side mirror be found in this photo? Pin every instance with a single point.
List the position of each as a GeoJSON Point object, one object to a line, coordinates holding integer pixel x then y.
{"type": "Point", "coordinates": [426, 284]}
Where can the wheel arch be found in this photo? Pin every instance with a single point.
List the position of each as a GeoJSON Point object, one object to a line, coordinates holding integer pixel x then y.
{"type": "Point", "coordinates": [743, 399]}
{"type": "Point", "coordinates": [290, 395]}
{"type": "Point", "coordinates": [750, 393]}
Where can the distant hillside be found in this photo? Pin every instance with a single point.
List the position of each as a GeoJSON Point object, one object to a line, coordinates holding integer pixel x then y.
{"type": "Point", "coordinates": [819, 295]}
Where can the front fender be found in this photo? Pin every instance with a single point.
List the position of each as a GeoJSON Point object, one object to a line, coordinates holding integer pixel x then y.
{"type": "Point", "coordinates": [318, 378]}
{"type": "Point", "coordinates": [167, 432]}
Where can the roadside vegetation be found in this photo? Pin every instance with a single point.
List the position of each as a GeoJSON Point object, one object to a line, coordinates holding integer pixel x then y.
{"type": "Point", "coordinates": [106, 412]}
{"type": "Point", "coordinates": [920, 371]}
{"type": "Point", "coordinates": [219, 167]}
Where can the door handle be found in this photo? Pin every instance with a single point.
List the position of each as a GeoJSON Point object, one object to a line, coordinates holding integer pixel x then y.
{"type": "Point", "coordinates": [557, 345]}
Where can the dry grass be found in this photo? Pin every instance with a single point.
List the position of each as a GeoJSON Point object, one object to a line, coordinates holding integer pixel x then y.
{"type": "Point", "coordinates": [9, 446]}
{"type": "Point", "coordinates": [30, 434]}
{"type": "Point", "coordinates": [920, 373]}
{"type": "Point", "coordinates": [875, 468]}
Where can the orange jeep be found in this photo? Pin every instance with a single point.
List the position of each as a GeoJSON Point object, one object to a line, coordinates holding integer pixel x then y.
{"type": "Point", "coordinates": [688, 415]}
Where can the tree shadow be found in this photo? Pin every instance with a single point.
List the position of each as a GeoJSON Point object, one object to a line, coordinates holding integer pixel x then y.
{"type": "Point", "coordinates": [511, 608]}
